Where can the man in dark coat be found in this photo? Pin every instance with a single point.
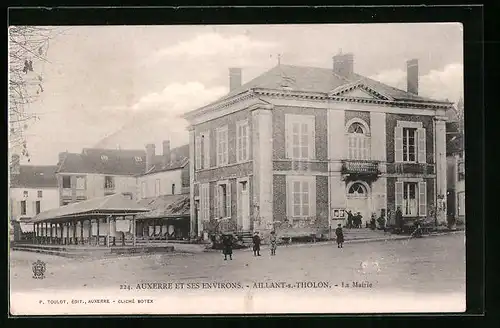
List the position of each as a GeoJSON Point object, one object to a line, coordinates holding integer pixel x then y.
{"type": "Point", "coordinates": [340, 236]}
{"type": "Point", "coordinates": [256, 244]}
{"type": "Point", "coordinates": [227, 242]}
{"type": "Point", "coordinates": [349, 219]}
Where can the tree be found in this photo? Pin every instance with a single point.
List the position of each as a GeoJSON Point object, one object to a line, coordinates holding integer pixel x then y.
{"type": "Point", "coordinates": [28, 48]}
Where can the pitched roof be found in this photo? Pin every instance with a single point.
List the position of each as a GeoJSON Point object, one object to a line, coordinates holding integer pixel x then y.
{"type": "Point", "coordinates": [317, 79]}
{"type": "Point", "coordinates": [179, 158]}
{"type": "Point", "coordinates": [35, 176]}
{"type": "Point", "coordinates": [166, 206]}
{"type": "Point", "coordinates": [116, 203]}
{"type": "Point", "coordinates": [104, 161]}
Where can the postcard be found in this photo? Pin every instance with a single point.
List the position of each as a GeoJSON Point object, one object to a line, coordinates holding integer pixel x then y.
{"type": "Point", "coordinates": [236, 169]}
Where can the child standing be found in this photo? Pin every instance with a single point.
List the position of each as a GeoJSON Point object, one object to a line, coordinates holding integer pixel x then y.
{"type": "Point", "coordinates": [228, 246]}
{"type": "Point", "coordinates": [340, 236]}
{"type": "Point", "coordinates": [273, 243]}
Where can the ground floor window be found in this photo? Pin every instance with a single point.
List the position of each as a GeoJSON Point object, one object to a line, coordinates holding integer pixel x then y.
{"type": "Point", "coordinates": [204, 202]}
{"type": "Point", "coordinates": [222, 200]}
{"type": "Point", "coordinates": [301, 197]}
{"type": "Point", "coordinates": [411, 198]}
{"type": "Point", "coordinates": [461, 203]}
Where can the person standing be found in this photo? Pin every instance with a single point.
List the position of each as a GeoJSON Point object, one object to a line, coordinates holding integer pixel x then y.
{"type": "Point", "coordinates": [273, 242]}
{"type": "Point", "coordinates": [227, 242]}
{"type": "Point", "coordinates": [340, 236]}
{"type": "Point", "coordinates": [349, 219]}
{"type": "Point", "coordinates": [399, 220]}
{"type": "Point", "coordinates": [256, 244]}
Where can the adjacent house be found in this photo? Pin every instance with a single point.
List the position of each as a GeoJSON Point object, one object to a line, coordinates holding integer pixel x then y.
{"type": "Point", "coordinates": [33, 189]}
{"type": "Point", "coordinates": [164, 189]}
{"type": "Point", "coordinates": [455, 156]}
{"type": "Point", "coordinates": [297, 145]}
{"type": "Point", "coordinates": [98, 172]}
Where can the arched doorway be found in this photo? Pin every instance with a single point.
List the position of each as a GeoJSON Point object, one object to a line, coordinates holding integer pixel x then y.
{"type": "Point", "coordinates": [358, 199]}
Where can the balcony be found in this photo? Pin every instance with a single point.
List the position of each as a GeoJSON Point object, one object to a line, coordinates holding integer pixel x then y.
{"type": "Point", "coordinates": [410, 168]}
{"type": "Point", "coordinates": [364, 169]}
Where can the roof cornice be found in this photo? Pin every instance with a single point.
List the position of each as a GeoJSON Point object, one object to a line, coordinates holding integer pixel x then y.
{"type": "Point", "coordinates": [245, 95]}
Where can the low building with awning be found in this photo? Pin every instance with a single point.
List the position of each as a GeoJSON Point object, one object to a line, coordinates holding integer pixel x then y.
{"type": "Point", "coordinates": [168, 218]}
{"type": "Point", "coordinates": [102, 221]}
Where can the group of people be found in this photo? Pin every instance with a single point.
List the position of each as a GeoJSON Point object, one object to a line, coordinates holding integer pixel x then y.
{"type": "Point", "coordinates": [256, 241]}
{"type": "Point", "coordinates": [354, 220]}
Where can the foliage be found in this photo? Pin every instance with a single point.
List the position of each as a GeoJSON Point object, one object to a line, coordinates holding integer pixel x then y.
{"type": "Point", "coordinates": [28, 48]}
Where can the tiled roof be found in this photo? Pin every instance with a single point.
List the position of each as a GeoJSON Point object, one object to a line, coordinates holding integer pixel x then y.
{"type": "Point", "coordinates": [35, 176]}
{"type": "Point", "coordinates": [165, 206]}
{"type": "Point", "coordinates": [316, 79]}
{"type": "Point", "coordinates": [116, 203]}
{"type": "Point", "coordinates": [179, 158]}
{"type": "Point", "coordinates": [102, 162]}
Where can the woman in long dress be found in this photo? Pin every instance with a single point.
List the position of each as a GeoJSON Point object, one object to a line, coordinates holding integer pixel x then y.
{"type": "Point", "coordinates": [273, 242]}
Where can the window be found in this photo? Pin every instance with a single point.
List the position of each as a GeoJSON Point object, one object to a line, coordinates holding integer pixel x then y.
{"type": "Point", "coordinates": [204, 202]}
{"type": "Point", "coordinates": [66, 181]}
{"type": "Point", "coordinates": [173, 188]}
{"type": "Point", "coordinates": [80, 183]}
{"type": "Point", "coordinates": [461, 170]}
{"type": "Point", "coordinates": [39, 194]}
{"type": "Point", "coordinates": [138, 159]}
{"type": "Point", "coordinates": [300, 136]}
{"type": "Point", "coordinates": [143, 189]}
{"type": "Point", "coordinates": [104, 158]}
{"type": "Point", "coordinates": [411, 197]}
{"type": "Point", "coordinates": [357, 190]}
{"type": "Point", "coordinates": [202, 151]}
{"type": "Point", "coordinates": [358, 142]}
{"type": "Point", "coordinates": [37, 207]}
{"type": "Point", "coordinates": [222, 200]}
{"type": "Point", "coordinates": [222, 146]}
{"type": "Point", "coordinates": [23, 207]}
{"type": "Point", "coordinates": [242, 141]}
{"type": "Point", "coordinates": [25, 194]}
{"type": "Point", "coordinates": [301, 197]}
{"type": "Point", "coordinates": [109, 182]}
{"type": "Point", "coordinates": [409, 142]}
{"type": "Point", "coordinates": [461, 203]}
{"type": "Point", "coordinates": [157, 187]}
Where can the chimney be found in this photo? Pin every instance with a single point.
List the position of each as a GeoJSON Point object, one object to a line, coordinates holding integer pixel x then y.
{"type": "Point", "coordinates": [61, 157]}
{"type": "Point", "coordinates": [343, 64]}
{"type": "Point", "coordinates": [166, 152]}
{"type": "Point", "coordinates": [234, 78]}
{"type": "Point", "coordinates": [15, 166]}
{"type": "Point", "coordinates": [412, 76]}
{"type": "Point", "coordinates": [150, 155]}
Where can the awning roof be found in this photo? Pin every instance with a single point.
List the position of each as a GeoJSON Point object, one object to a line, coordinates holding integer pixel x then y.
{"type": "Point", "coordinates": [116, 204]}
{"type": "Point", "coordinates": [168, 206]}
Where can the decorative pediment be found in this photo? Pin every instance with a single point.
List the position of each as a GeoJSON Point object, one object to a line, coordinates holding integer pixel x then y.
{"type": "Point", "coordinates": [359, 90]}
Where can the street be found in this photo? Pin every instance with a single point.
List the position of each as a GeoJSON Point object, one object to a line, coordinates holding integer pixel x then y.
{"type": "Point", "coordinates": [430, 264]}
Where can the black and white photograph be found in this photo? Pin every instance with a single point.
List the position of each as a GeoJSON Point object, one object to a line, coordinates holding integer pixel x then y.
{"type": "Point", "coordinates": [236, 169]}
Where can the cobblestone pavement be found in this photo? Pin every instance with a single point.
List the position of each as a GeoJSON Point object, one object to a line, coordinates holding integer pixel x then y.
{"type": "Point", "coordinates": [428, 265]}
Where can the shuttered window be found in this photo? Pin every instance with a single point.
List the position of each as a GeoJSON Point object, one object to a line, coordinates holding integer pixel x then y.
{"type": "Point", "coordinates": [204, 202]}
{"type": "Point", "coordinates": [242, 141]}
{"type": "Point", "coordinates": [222, 200]}
{"type": "Point", "coordinates": [197, 154]}
{"type": "Point", "coordinates": [300, 137]}
{"type": "Point", "coordinates": [222, 146]}
{"type": "Point", "coordinates": [358, 142]}
{"type": "Point", "coordinates": [301, 197]}
{"type": "Point", "coordinates": [411, 198]}
{"type": "Point", "coordinates": [410, 142]}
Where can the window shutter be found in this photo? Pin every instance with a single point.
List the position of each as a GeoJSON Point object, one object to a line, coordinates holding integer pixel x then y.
{"type": "Point", "coordinates": [246, 141]}
{"type": "Point", "coordinates": [312, 141]}
{"type": "Point", "coordinates": [398, 144]}
{"type": "Point", "coordinates": [288, 137]}
{"type": "Point", "coordinates": [198, 152]}
{"type": "Point", "coordinates": [421, 145]}
{"type": "Point", "coordinates": [312, 197]}
{"type": "Point", "coordinates": [422, 198]}
{"type": "Point", "coordinates": [399, 194]}
{"type": "Point", "coordinates": [367, 154]}
{"type": "Point", "coordinates": [216, 201]}
{"type": "Point", "coordinates": [228, 199]}
{"type": "Point", "coordinates": [206, 149]}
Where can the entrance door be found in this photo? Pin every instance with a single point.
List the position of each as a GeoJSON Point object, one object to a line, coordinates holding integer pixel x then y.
{"type": "Point", "coordinates": [357, 201]}
{"type": "Point", "coordinates": [244, 210]}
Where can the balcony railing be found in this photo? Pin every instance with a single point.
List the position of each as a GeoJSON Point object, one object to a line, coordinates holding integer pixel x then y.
{"type": "Point", "coordinates": [410, 168]}
{"type": "Point", "coordinates": [360, 167]}
{"type": "Point", "coordinates": [66, 192]}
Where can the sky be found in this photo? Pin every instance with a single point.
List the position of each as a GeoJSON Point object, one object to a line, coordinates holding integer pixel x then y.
{"type": "Point", "coordinates": [127, 86]}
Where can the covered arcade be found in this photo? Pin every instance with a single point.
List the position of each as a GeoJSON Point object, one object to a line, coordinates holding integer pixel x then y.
{"type": "Point", "coordinates": [104, 221]}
